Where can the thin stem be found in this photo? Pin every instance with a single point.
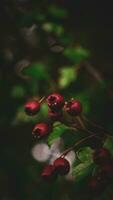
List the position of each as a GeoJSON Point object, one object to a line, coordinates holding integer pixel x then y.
{"type": "Point", "coordinates": [93, 123]}
{"type": "Point", "coordinates": [42, 99]}
{"type": "Point", "coordinates": [81, 122]}
{"type": "Point", "coordinates": [76, 144]}
{"type": "Point", "coordinates": [98, 126]}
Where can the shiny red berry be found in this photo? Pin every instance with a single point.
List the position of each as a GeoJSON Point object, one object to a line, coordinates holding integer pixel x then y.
{"type": "Point", "coordinates": [101, 156]}
{"type": "Point", "coordinates": [32, 107]}
{"type": "Point", "coordinates": [55, 116]}
{"type": "Point", "coordinates": [41, 130]}
{"type": "Point", "coordinates": [73, 107]}
{"type": "Point", "coordinates": [62, 166]}
{"type": "Point", "coordinates": [49, 173]}
{"type": "Point", "coordinates": [55, 101]}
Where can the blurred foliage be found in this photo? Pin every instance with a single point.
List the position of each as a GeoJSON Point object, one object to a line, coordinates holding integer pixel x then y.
{"type": "Point", "coordinates": [40, 54]}
{"type": "Point", "coordinates": [57, 132]}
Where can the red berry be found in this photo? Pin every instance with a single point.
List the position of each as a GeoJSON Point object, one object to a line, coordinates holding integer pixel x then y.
{"type": "Point", "coordinates": [93, 183]}
{"type": "Point", "coordinates": [32, 107]}
{"type": "Point", "coordinates": [101, 156]}
{"type": "Point", "coordinates": [73, 107]}
{"type": "Point", "coordinates": [96, 183]}
{"type": "Point", "coordinates": [55, 101]}
{"type": "Point", "coordinates": [106, 171]}
{"type": "Point", "coordinates": [55, 116]}
{"type": "Point", "coordinates": [62, 166]}
{"type": "Point", "coordinates": [40, 130]}
{"type": "Point", "coordinates": [49, 173]}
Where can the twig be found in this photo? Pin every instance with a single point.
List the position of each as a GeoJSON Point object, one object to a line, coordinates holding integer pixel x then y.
{"type": "Point", "coordinates": [76, 144]}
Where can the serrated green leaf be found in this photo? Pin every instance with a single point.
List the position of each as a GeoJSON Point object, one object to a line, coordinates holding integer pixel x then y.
{"type": "Point", "coordinates": [67, 75]}
{"type": "Point", "coordinates": [57, 132]}
{"type": "Point", "coordinates": [85, 154]}
{"type": "Point", "coordinates": [109, 145]}
{"type": "Point", "coordinates": [82, 170]}
{"type": "Point", "coordinates": [36, 71]}
{"type": "Point", "coordinates": [76, 54]}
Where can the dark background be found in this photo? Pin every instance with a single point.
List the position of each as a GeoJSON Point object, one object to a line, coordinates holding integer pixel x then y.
{"type": "Point", "coordinates": [91, 23]}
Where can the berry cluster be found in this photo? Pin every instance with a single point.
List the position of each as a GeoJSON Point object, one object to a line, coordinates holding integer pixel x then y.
{"type": "Point", "coordinates": [60, 166]}
{"type": "Point", "coordinates": [57, 106]}
{"type": "Point", "coordinates": [69, 113]}
{"type": "Point", "coordinates": [104, 175]}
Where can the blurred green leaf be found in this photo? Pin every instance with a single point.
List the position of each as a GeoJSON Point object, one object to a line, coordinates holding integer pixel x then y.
{"type": "Point", "coordinates": [36, 71]}
{"type": "Point", "coordinates": [52, 27]}
{"type": "Point", "coordinates": [57, 11]}
{"type": "Point", "coordinates": [57, 132]}
{"type": "Point", "coordinates": [67, 75]}
{"type": "Point", "coordinates": [22, 117]}
{"type": "Point", "coordinates": [18, 91]}
{"type": "Point", "coordinates": [85, 154]}
{"type": "Point", "coordinates": [109, 145]}
{"type": "Point", "coordinates": [38, 16]}
{"type": "Point", "coordinates": [82, 170]}
{"type": "Point", "coordinates": [77, 54]}
{"type": "Point", "coordinates": [44, 111]}
{"type": "Point", "coordinates": [66, 38]}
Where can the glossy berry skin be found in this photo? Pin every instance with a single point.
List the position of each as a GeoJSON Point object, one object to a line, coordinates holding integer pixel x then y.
{"type": "Point", "coordinates": [32, 107]}
{"type": "Point", "coordinates": [73, 107]}
{"type": "Point", "coordinates": [55, 116]}
{"type": "Point", "coordinates": [49, 173]}
{"type": "Point", "coordinates": [41, 130]}
{"type": "Point", "coordinates": [101, 156]}
{"type": "Point", "coordinates": [62, 166]}
{"type": "Point", "coordinates": [55, 101]}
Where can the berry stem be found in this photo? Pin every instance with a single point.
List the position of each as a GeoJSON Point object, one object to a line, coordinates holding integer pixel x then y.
{"type": "Point", "coordinates": [81, 122]}
{"type": "Point", "coordinates": [98, 126]}
{"type": "Point", "coordinates": [42, 99]}
{"type": "Point", "coordinates": [76, 144]}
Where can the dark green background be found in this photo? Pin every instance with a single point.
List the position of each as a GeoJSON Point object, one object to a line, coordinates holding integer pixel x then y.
{"type": "Point", "coordinates": [89, 24]}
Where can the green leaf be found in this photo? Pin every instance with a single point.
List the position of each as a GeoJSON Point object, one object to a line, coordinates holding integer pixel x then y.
{"type": "Point", "coordinates": [18, 91]}
{"type": "Point", "coordinates": [85, 154]}
{"type": "Point", "coordinates": [67, 75]}
{"type": "Point", "coordinates": [109, 145]}
{"type": "Point", "coordinates": [36, 71]}
{"type": "Point", "coordinates": [52, 27]}
{"type": "Point", "coordinates": [76, 54]}
{"type": "Point", "coordinates": [57, 12]}
{"type": "Point", "coordinates": [82, 170]}
{"type": "Point", "coordinates": [57, 132]}
{"type": "Point", "coordinates": [21, 116]}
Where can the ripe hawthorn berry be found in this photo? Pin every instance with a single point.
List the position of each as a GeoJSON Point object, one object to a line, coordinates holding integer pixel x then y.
{"type": "Point", "coordinates": [53, 115]}
{"type": "Point", "coordinates": [49, 173]}
{"type": "Point", "coordinates": [41, 130]}
{"type": "Point", "coordinates": [73, 107]}
{"type": "Point", "coordinates": [106, 171]}
{"type": "Point", "coordinates": [101, 155]}
{"type": "Point", "coordinates": [55, 101]}
{"type": "Point", "coordinates": [32, 107]}
{"type": "Point", "coordinates": [96, 184]}
{"type": "Point", "coordinates": [62, 166]}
